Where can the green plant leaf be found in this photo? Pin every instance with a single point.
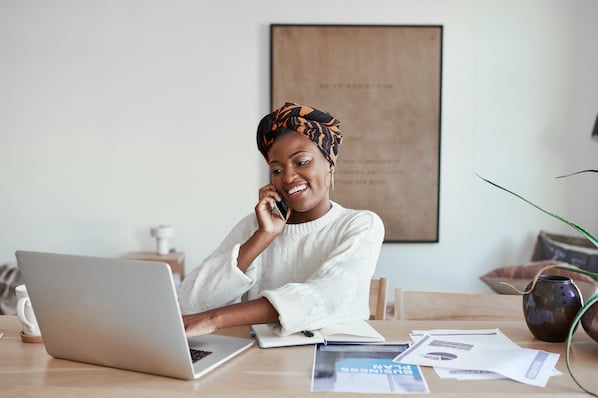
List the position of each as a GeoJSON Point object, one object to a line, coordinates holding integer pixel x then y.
{"type": "Point", "coordinates": [581, 230]}
{"type": "Point", "coordinates": [592, 300]}
{"type": "Point", "coordinates": [562, 266]}
{"type": "Point", "coordinates": [578, 172]}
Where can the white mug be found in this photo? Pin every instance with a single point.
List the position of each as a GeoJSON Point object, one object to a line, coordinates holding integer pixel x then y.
{"type": "Point", "coordinates": [25, 312]}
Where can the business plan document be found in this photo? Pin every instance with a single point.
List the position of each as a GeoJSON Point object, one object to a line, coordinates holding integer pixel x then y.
{"type": "Point", "coordinates": [365, 368]}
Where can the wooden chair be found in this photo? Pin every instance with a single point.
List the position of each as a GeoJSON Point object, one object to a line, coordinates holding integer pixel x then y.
{"type": "Point", "coordinates": [378, 289]}
{"type": "Point", "coordinates": [417, 305]}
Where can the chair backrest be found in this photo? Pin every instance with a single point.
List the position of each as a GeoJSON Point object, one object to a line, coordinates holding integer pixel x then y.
{"type": "Point", "coordinates": [378, 290]}
{"type": "Point", "coordinates": [417, 305]}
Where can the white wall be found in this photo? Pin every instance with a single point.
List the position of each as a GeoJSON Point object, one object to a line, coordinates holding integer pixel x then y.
{"type": "Point", "coordinates": [116, 116]}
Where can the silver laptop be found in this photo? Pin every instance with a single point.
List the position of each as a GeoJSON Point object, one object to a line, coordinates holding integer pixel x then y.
{"type": "Point", "coordinates": [118, 313]}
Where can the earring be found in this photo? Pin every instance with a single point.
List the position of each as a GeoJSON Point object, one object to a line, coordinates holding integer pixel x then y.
{"type": "Point", "coordinates": [331, 180]}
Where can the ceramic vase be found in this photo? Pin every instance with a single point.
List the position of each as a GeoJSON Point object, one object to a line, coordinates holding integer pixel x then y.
{"type": "Point", "coordinates": [589, 321]}
{"type": "Point", "coordinates": [550, 308]}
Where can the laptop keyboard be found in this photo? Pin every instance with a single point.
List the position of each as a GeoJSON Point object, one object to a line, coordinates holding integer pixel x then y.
{"type": "Point", "coordinates": [196, 355]}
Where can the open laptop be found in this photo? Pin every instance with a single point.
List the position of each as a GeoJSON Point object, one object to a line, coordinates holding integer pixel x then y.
{"type": "Point", "coordinates": [119, 313]}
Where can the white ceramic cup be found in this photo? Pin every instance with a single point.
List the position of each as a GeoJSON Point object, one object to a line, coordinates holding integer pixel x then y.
{"type": "Point", "coordinates": [25, 312]}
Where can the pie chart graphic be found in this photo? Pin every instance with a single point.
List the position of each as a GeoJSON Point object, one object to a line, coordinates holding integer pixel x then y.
{"type": "Point", "coordinates": [440, 356]}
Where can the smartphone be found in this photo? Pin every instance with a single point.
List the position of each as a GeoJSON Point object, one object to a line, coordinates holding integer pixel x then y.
{"type": "Point", "coordinates": [281, 208]}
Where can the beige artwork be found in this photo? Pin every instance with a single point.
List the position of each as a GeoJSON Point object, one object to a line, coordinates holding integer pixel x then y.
{"type": "Point", "coordinates": [384, 84]}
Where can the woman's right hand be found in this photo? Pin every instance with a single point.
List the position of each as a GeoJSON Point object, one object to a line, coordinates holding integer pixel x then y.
{"type": "Point", "coordinates": [199, 324]}
{"type": "Point", "coordinates": [270, 225]}
{"type": "Point", "coordinates": [268, 221]}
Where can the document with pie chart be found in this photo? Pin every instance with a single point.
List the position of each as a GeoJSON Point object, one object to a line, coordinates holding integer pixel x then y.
{"type": "Point", "coordinates": [525, 365]}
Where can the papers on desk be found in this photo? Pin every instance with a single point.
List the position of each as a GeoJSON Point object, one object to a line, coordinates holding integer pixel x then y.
{"type": "Point", "coordinates": [479, 354]}
{"type": "Point", "coordinates": [365, 368]}
{"type": "Point", "coordinates": [486, 336]}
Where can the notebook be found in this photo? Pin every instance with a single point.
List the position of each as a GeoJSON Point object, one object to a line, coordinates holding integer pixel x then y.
{"type": "Point", "coordinates": [354, 332]}
{"type": "Point", "coordinates": [119, 313]}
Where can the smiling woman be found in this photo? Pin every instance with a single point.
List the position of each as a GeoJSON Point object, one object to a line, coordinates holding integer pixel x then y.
{"type": "Point", "coordinates": [303, 271]}
{"type": "Point", "coordinates": [301, 175]}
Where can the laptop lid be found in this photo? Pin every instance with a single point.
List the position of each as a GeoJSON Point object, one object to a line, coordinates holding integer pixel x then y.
{"type": "Point", "coordinates": [117, 312]}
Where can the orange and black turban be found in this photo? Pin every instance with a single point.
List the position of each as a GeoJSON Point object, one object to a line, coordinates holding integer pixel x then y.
{"type": "Point", "coordinates": [320, 127]}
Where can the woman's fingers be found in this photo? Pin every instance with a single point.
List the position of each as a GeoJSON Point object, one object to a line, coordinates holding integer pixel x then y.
{"type": "Point", "coordinates": [269, 191]}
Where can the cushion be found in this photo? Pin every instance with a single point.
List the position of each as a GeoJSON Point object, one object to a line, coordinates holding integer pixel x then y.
{"type": "Point", "coordinates": [521, 275]}
{"type": "Point", "coordinates": [576, 251]}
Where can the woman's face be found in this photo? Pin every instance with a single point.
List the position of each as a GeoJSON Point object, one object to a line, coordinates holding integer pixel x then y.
{"type": "Point", "coordinates": [301, 174]}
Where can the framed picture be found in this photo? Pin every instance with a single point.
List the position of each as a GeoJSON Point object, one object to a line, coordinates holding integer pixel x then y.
{"type": "Point", "coordinates": [384, 84]}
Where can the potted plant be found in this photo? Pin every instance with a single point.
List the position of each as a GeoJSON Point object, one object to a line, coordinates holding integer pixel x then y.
{"type": "Point", "coordinates": [591, 304]}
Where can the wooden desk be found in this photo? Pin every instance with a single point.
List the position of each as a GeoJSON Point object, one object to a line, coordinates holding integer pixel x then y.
{"type": "Point", "coordinates": [26, 370]}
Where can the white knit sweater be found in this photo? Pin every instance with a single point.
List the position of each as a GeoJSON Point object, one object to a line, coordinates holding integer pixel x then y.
{"type": "Point", "coordinates": [315, 273]}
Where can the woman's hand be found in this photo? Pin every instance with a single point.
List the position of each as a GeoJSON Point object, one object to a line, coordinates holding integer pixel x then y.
{"type": "Point", "coordinates": [198, 324]}
{"type": "Point", "coordinates": [270, 225]}
{"type": "Point", "coordinates": [268, 221]}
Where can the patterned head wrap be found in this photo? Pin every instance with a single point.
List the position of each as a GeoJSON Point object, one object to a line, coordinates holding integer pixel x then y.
{"type": "Point", "coordinates": [318, 126]}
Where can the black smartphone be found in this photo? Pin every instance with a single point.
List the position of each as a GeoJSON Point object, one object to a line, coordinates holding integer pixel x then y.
{"type": "Point", "coordinates": [281, 208]}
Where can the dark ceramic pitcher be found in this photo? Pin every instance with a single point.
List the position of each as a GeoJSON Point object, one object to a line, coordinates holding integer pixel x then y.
{"type": "Point", "coordinates": [589, 321]}
{"type": "Point", "coordinates": [550, 308]}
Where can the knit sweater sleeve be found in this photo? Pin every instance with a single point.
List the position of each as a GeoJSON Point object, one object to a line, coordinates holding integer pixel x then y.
{"type": "Point", "coordinates": [338, 291]}
{"type": "Point", "coordinates": [218, 281]}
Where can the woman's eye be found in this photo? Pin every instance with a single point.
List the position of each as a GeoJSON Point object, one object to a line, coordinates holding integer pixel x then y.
{"type": "Point", "coordinates": [276, 171]}
{"type": "Point", "coordinates": [303, 162]}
